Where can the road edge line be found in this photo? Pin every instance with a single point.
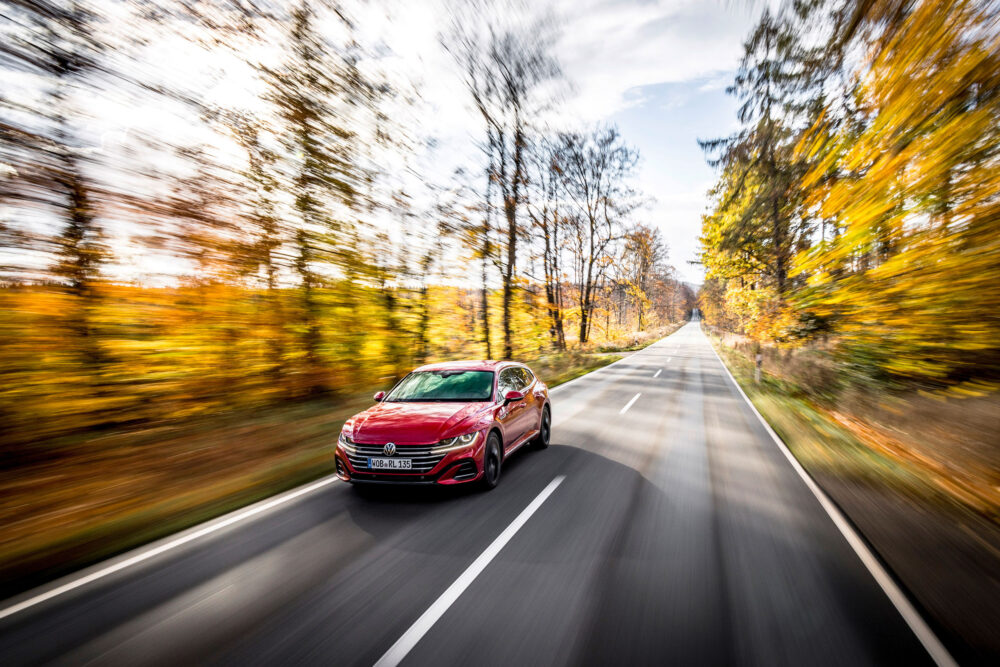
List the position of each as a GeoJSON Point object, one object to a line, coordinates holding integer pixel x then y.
{"type": "Point", "coordinates": [934, 647]}
{"type": "Point", "coordinates": [101, 569]}
{"type": "Point", "coordinates": [105, 568]}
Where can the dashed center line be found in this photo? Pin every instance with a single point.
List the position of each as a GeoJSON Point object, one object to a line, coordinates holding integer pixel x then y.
{"type": "Point", "coordinates": [404, 644]}
{"type": "Point", "coordinates": [629, 404]}
{"type": "Point", "coordinates": [658, 371]}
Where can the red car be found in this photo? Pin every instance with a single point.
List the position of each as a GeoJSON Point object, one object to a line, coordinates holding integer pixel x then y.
{"type": "Point", "coordinates": [450, 423]}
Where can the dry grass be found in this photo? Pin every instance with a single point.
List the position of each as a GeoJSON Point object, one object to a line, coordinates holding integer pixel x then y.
{"type": "Point", "coordinates": [95, 495]}
{"type": "Point", "coordinates": [915, 473]}
{"type": "Point", "coordinates": [932, 444]}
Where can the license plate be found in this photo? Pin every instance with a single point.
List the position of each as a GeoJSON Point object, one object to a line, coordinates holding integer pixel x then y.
{"type": "Point", "coordinates": [390, 464]}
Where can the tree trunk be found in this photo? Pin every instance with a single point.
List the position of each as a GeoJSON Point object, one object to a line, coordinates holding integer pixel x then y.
{"type": "Point", "coordinates": [310, 316]}
{"type": "Point", "coordinates": [510, 210]}
{"type": "Point", "coordinates": [560, 332]}
{"type": "Point", "coordinates": [557, 288]}
{"type": "Point", "coordinates": [275, 345]}
{"type": "Point", "coordinates": [586, 301]}
{"type": "Point", "coordinates": [508, 342]}
{"type": "Point", "coordinates": [486, 300]}
{"type": "Point", "coordinates": [780, 261]}
{"type": "Point", "coordinates": [422, 326]}
{"type": "Point", "coordinates": [79, 247]}
{"type": "Point", "coordinates": [548, 262]}
{"type": "Point", "coordinates": [392, 329]}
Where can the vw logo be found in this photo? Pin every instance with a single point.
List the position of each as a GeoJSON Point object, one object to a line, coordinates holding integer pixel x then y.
{"type": "Point", "coordinates": [389, 449]}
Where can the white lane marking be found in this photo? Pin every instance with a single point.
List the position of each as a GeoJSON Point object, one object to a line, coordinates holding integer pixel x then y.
{"type": "Point", "coordinates": [668, 359]}
{"type": "Point", "coordinates": [415, 633]}
{"type": "Point", "coordinates": [658, 371]}
{"type": "Point", "coordinates": [598, 370]}
{"type": "Point", "coordinates": [209, 527]}
{"type": "Point", "coordinates": [629, 404]}
{"type": "Point", "coordinates": [590, 373]}
{"type": "Point", "coordinates": [939, 654]}
{"type": "Point", "coordinates": [157, 549]}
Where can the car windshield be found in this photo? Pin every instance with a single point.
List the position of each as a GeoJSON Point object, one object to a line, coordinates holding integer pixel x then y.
{"type": "Point", "coordinates": [448, 385]}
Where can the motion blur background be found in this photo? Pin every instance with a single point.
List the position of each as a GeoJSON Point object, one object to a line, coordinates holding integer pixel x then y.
{"type": "Point", "coordinates": [223, 224]}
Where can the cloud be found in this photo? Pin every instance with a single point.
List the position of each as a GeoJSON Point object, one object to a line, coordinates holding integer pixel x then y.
{"type": "Point", "coordinates": [660, 59]}
{"type": "Point", "coordinates": [611, 48]}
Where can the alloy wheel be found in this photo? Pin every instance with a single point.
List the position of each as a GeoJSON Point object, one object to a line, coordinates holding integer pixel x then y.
{"type": "Point", "coordinates": [492, 462]}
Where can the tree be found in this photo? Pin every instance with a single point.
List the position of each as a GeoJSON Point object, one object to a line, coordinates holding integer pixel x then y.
{"type": "Point", "coordinates": [267, 235]}
{"type": "Point", "coordinates": [543, 207]}
{"type": "Point", "coordinates": [596, 168]}
{"type": "Point", "coordinates": [61, 44]}
{"type": "Point", "coordinates": [861, 190]}
{"type": "Point", "coordinates": [505, 70]}
{"type": "Point", "coordinates": [759, 206]}
{"type": "Point", "coordinates": [643, 259]}
{"type": "Point", "coordinates": [759, 220]}
{"type": "Point", "coordinates": [316, 92]}
{"type": "Point", "coordinates": [909, 279]}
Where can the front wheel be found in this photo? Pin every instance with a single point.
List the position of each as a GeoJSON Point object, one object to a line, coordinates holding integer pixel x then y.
{"type": "Point", "coordinates": [544, 429]}
{"type": "Point", "coordinates": [492, 460]}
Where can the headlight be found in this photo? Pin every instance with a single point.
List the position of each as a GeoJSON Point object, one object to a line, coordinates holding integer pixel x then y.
{"type": "Point", "coordinates": [346, 443]}
{"type": "Point", "coordinates": [458, 442]}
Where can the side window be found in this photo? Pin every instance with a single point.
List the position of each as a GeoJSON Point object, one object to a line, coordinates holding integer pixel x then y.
{"type": "Point", "coordinates": [526, 377]}
{"type": "Point", "coordinates": [508, 381]}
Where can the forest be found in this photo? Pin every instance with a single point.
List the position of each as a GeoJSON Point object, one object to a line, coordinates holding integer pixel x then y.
{"type": "Point", "coordinates": [856, 207]}
{"type": "Point", "coordinates": [292, 245]}
{"type": "Point", "coordinates": [224, 225]}
{"type": "Point", "coordinates": [852, 258]}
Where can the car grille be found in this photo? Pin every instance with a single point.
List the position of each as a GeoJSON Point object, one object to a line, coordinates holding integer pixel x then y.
{"type": "Point", "coordinates": [420, 455]}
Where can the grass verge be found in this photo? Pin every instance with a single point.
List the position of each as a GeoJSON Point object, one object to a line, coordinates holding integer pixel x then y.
{"type": "Point", "coordinates": [815, 438]}
{"type": "Point", "coordinates": [97, 495]}
{"type": "Point", "coordinates": [935, 529]}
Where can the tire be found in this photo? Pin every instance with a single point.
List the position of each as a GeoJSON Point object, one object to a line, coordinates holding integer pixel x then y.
{"type": "Point", "coordinates": [492, 462]}
{"type": "Point", "coordinates": [541, 440]}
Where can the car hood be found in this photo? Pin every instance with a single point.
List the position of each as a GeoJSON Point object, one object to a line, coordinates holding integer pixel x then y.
{"type": "Point", "coordinates": [417, 422]}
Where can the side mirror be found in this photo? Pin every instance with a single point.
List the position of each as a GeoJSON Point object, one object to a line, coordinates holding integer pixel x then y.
{"type": "Point", "coordinates": [513, 396]}
{"type": "Point", "coordinates": [379, 396]}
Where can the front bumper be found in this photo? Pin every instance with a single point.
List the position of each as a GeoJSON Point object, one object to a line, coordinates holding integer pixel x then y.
{"type": "Point", "coordinates": [458, 467]}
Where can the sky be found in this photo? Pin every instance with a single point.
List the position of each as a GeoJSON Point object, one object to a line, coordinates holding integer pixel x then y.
{"type": "Point", "coordinates": [656, 69]}
{"type": "Point", "coordinates": [665, 127]}
{"type": "Point", "coordinates": [659, 71]}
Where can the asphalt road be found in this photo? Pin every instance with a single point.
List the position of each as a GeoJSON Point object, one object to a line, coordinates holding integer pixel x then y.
{"type": "Point", "coordinates": [672, 532]}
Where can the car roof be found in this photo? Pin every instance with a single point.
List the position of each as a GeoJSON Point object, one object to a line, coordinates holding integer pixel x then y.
{"type": "Point", "coordinates": [468, 365]}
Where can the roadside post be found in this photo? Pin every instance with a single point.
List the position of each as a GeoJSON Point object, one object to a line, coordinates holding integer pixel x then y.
{"type": "Point", "coordinates": [756, 370]}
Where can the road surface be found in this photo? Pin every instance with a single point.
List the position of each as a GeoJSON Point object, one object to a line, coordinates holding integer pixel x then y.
{"type": "Point", "coordinates": [663, 526]}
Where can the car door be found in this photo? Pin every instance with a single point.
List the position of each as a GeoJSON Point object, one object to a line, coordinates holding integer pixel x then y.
{"type": "Point", "coordinates": [532, 409]}
{"type": "Point", "coordinates": [511, 415]}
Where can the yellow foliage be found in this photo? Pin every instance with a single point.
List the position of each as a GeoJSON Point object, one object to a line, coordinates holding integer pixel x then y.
{"type": "Point", "coordinates": [911, 279]}
{"type": "Point", "coordinates": [901, 200]}
{"type": "Point", "coordinates": [139, 355]}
